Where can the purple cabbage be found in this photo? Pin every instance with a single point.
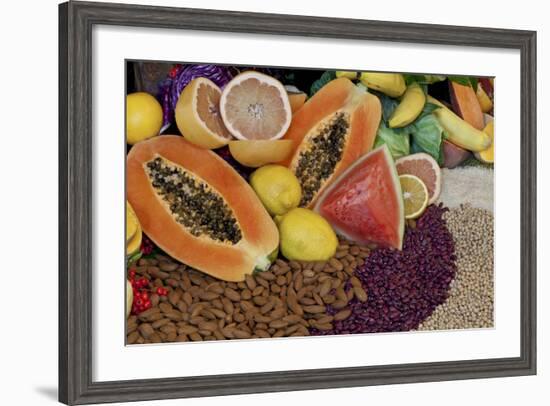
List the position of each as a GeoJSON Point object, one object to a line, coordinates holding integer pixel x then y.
{"type": "Point", "coordinates": [181, 75]}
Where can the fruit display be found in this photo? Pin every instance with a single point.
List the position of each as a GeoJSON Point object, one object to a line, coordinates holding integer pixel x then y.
{"type": "Point", "coordinates": [270, 202]}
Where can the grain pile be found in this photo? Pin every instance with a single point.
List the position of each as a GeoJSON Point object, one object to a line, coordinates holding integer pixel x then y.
{"type": "Point", "coordinates": [467, 184]}
{"type": "Point", "coordinates": [286, 301]}
{"type": "Point", "coordinates": [470, 303]}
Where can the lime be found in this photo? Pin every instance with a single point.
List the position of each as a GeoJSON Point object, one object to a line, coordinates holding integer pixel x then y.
{"type": "Point", "coordinates": [415, 195]}
{"type": "Point", "coordinates": [143, 117]}
{"type": "Point", "coordinates": [306, 236]}
{"type": "Point", "coordinates": [277, 187]}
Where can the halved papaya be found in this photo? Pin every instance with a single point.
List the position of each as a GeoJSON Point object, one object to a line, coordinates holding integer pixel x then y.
{"type": "Point", "coordinates": [198, 209]}
{"type": "Point", "coordinates": [331, 131]}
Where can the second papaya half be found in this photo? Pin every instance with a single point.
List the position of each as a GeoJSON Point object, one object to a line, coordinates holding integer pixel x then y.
{"type": "Point", "coordinates": [331, 131]}
{"type": "Point", "coordinates": [198, 209]}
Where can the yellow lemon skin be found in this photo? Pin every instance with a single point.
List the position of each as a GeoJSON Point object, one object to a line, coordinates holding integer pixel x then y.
{"type": "Point", "coordinates": [143, 117]}
{"type": "Point", "coordinates": [277, 187]}
{"type": "Point", "coordinates": [306, 236]}
{"type": "Point", "coordinates": [129, 298]}
{"type": "Point", "coordinates": [133, 231]}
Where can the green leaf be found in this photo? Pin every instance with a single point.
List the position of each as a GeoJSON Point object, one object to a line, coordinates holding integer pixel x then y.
{"type": "Point", "coordinates": [465, 80]}
{"type": "Point", "coordinates": [323, 80]}
{"type": "Point", "coordinates": [398, 143]}
{"type": "Point", "coordinates": [414, 78]}
{"type": "Point", "coordinates": [429, 108]}
{"type": "Point", "coordinates": [388, 105]}
{"type": "Point", "coordinates": [423, 79]}
{"type": "Point", "coordinates": [434, 78]}
{"type": "Point", "coordinates": [426, 136]}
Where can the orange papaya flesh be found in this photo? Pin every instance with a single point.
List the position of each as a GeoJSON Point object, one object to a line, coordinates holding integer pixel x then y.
{"type": "Point", "coordinates": [198, 209]}
{"type": "Point", "coordinates": [331, 131]}
{"type": "Point", "coordinates": [466, 104]}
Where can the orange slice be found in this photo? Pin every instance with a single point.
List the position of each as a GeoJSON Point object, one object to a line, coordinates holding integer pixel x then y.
{"type": "Point", "coordinates": [198, 116]}
{"type": "Point", "coordinates": [260, 152]}
{"type": "Point", "coordinates": [255, 106]}
{"type": "Point", "coordinates": [415, 195]}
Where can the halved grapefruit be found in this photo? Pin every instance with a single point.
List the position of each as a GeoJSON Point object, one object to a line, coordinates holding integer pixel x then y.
{"type": "Point", "coordinates": [424, 167]}
{"type": "Point", "coordinates": [260, 152]}
{"type": "Point", "coordinates": [255, 106]}
{"type": "Point", "coordinates": [198, 117]}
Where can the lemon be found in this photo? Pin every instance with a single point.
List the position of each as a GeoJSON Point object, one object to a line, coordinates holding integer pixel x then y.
{"type": "Point", "coordinates": [415, 195]}
{"type": "Point", "coordinates": [306, 236]}
{"type": "Point", "coordinates": [131, 223]}
{"type": "Point", "coordinates": [129, 297]}
{"type": "Point", "coordinates": [133, 231]}
{"type": "Point", "coordinates": [143, 117]}
{"type": "Point", "coordinates": [277, 187]}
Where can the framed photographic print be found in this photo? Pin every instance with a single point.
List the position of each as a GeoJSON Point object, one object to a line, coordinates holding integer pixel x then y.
{"type": "Point", "coordinates": [271, 202]}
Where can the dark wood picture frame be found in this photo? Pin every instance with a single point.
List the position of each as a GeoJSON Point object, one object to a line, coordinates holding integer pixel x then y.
{"type": "Point", "coordinates": [76, 20]}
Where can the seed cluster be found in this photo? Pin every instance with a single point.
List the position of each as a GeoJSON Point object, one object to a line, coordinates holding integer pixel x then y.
{"type": "Point", "coordinates": [288, 300]}
{"type": "Point", "coordinates": [317, 163]}
{"type": "Point", "coordinates": [403, 287]}
{"type": "Point", "coordinates": [470, 303]}
{"type": "Point", "coordinates": [193, 203]}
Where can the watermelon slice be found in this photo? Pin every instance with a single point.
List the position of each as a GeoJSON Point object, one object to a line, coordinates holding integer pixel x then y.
{"type": "Point", "coordinates": [365, 203]}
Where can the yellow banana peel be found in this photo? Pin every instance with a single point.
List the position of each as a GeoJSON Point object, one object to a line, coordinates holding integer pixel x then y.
{"type": "Point", "coordinates": [458, 131]}
{"type": "Point", "coordinates": [483, 99]}
{"type": "Point", "coordinates": [488, 155]}
{"type": "Point", "coordinates": [346, 74]}
{"type": "Point", "coordinates": [409, 108]}
{"type": "Point", "coordinates": [392, 84]}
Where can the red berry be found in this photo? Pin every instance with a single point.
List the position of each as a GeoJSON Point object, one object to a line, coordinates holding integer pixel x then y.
{"type": "Point", "coordinates": [144, 296]}
{"type": "Point", "coordinates": [132, 273]}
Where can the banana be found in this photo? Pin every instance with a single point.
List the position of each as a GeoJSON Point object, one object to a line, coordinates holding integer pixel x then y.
{"type": "Point", "coordinates": [483, 99]}
{"type": "Point", "coordinates": [458, 131]}
{"type": "Point", "coordinates": [488, 156]}
{"type": "Point", "coordinates": [346, 74]}
{"type": "Point", "coordinates": [409, 108]}
{"type": "Point", "coordinates": [392, 84]}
